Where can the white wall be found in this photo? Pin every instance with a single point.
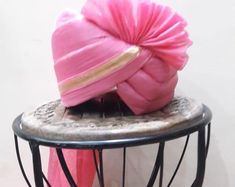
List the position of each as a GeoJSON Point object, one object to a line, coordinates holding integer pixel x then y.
{"type": "Point", "coordinates": [27, 79]}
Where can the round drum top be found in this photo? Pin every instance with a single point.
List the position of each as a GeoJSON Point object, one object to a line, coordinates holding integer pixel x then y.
{"type": "Point", "coordinates": [109, 119]}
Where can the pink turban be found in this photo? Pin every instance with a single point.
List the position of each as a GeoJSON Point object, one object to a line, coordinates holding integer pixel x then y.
{"type": "Point", "coordinates": [132, 47]}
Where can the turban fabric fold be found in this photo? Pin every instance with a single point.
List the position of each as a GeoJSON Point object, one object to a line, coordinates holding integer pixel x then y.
{"type": "Point", "coordinates": [134, 47]}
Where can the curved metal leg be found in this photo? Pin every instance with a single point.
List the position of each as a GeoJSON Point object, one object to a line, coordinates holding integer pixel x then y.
{"type": "Point", "coordinates": [65, 167]}
{"type": "Point", "coordinates": [19, 161]}
{"type": "Point", "coordinates": [180, 161]}
{"type": "Point", "coordinates": [101, 168]}
{"type": "Point", "coordinates": [208, 138]}
{"type": "Point", "coordinates": [37, 167]}
{"type": "Point", "coordinates": [45, 179]}
{"type": "Point", "coordinates": [96, 165]}
{"type": "Point", "coordinates": [124, 167]}
{"type": "Point", "coordinates": [161, 170]}
{"type": "Point", "coordinates": [157, 165]}
{"type": "Point", "coordinates": [201, 160]}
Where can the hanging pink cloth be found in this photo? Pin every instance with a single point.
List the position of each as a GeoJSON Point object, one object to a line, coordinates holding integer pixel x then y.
{"type": "Point", "coordinates": [133, 46]}
{"type": "Point", "coordinates": [80, 163]}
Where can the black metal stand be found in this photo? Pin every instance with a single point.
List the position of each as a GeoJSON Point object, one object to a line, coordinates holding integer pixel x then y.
{"type": "Point", "coordinates": [200, 125]}
{"type": "Point", "coordinates": [203, 147]}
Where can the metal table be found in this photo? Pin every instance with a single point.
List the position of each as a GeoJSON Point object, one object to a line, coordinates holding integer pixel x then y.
{"type": "Point", "coordinates": [106, 123]}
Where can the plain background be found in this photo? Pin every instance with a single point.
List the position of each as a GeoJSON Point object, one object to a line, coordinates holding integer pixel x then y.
{"type": "Point", "coordinates": [27, 79]}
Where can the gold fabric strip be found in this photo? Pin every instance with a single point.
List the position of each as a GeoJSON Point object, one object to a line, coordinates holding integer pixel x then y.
{"type": "Point", "coordinates": [101, 71]}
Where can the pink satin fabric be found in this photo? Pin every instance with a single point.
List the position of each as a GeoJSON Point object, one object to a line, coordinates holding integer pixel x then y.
{"type": "Point", "coordinates": [107, 28]}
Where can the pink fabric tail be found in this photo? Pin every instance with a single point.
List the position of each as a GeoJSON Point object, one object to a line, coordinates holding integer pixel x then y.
{"type": "Point", "coordinates": [81, 166]}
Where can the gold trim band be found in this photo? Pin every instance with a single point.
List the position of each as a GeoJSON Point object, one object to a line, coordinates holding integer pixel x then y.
{"type": "Point", "coordinates": [101, 71]}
